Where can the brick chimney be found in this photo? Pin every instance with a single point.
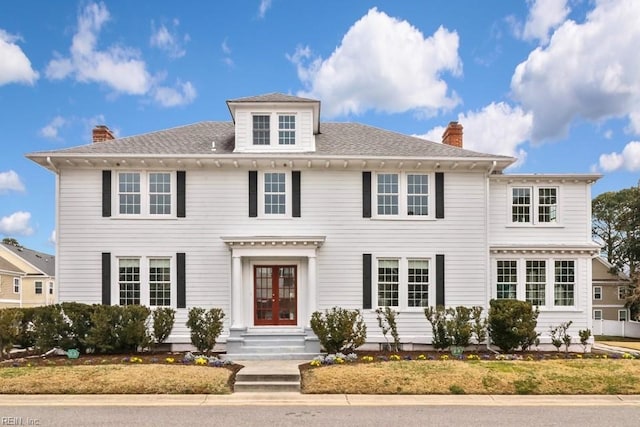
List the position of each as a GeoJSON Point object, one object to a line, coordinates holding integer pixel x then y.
{"type": "Point", "coordinates": [102, 133]}
{"type": "Point", "coordinates": [453, 135]}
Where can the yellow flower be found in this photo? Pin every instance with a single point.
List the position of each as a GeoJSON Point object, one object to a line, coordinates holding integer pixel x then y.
{"type": "Point", "coordinates": [169, 360]}
{"type": "Point", "coordinates": [367, 358]}
{"type": "Point", "coordinates": [394, 357]}
{"type": "Point", "coordinates": [444, 357]}
{"type": "Point", "coordinates": [422, 357]}
{"type": "Point", "coordinates": [315, 363]}
{"type": "Point", "coordinates": [201, 361]}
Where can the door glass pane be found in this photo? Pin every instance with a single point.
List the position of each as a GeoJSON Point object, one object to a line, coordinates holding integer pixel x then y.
{"type": "Point", "coordinates": [287, 293]}
{"type": "Point", "coordinates": [264, 293]}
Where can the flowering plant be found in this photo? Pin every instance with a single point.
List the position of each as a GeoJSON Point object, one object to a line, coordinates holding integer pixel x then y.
{"type": "Point", "coordinates": [394, 357]}
{"type": "Point", "coordinates": [422, 357]}
{"type": "Point", "coordinates": [170, 360]}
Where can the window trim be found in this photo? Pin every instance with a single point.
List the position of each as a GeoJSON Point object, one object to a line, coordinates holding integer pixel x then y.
{"type": "Point", "coordinates": [50, 288]}
{"type": "Point", "coordinates": [623, 289]}
{"type": "Point", "coordinates": [35, 287]}
{"type": "Point", "coordinates": [403, 280]}
{"type": "Point", "coordinates": [288, 199]}
{"type": "Point", "coordinates": [599, 297]}
{"type": "Point", "coordinates": [534, 206]}
{"type": "Point", "coordinates": [594, 314]}
{"type": "Point", "coordinates": [274, 131]}
{"type": "Point", "coordinates": [145, 195]}
{"type": "Point", "coordinates": [403, 195]}
{"type": "Point", "coordinates": [626, 315]}
{"type": "Point", "coordinates": [294, 129]}
{"type": "Point", "coordinates": [17, 285]}
{"type": "Point", "coordinates": [145, 295]}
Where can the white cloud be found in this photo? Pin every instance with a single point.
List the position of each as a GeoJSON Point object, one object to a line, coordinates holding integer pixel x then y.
{"type": "Point", "coordinates": [589, 70]}
{"type": "Point", "coordinates": [50, 131]}
{"type": "Point", "coordinates": [52, 238]}
{"type": "Point", "coordinates": [382, 64]}
{"type": "Point", "coordinates": [169, 41]}
{"type": "Point", "coordinates": [628, 159]}
{"type": "Point", "coordinates": [226, 50]}
{"type": "Point", "coordinates": [116, 67]}
{"type": "Point", "coordinates": [544, 16]}
{"type": "Point", "coordinates": [10, 181]}
{"type": "Point", "coordinates": [497, 129]}
{"type": "Point", "coordinates": [16, 224]}
{"type": "Point", "coordinates": [264, 6]}
{"type": "Point", "coordinates": [15, 67]}
{"type": "Point", "coordinates": [182, 94]}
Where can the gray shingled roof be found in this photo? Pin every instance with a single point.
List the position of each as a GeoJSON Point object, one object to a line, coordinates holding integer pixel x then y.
{"type": "Point", "coordinates": [273, 97]}
{"type": "Point", "coordinates": [43, 262]}
{"type": "Point", "coordinates": [7, 266]}
{"type": "Point", "coordinates": [336, 139]}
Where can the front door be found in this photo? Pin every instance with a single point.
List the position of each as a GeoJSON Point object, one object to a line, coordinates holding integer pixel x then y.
{"type": "Point", "coordinates": [275, 294]}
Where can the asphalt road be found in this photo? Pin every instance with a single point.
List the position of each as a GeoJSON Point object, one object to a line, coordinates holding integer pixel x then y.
{"type": "Point", "coordinates": [310, 416]}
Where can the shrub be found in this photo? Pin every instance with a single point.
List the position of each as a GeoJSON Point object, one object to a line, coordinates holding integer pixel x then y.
{"type": "Point", "coordinates": [559, 336]}
{"type": "Point", "coordinates": [50, 328]}
{"type": "Point", "coordinates": [163, 320]}
{"type": "Point", "coordinates": [133, 333]}
{"type": "Point", "coordinates": [26, 337]}
{"type": "Point", "coordinates": [387, 322]}
{"type": "Point", "coordinates": [479, 326]}
{"type": "Point", "coordinates": [512, 324]}
{"type": "Point", "coordinates": [584, 334]}
{"type": "Point", "coordinates": [339, 330]}
{"type": "Point", "coordinates": [437, 319]}
{"type": "Point", "coordinates": [10, 322]}
{"type": "Point", "coordinates": [78, 318]}
{"type": "Point", "coordinates": [206, 327]}
{"type": "Point", "coordinates": [103, 336]}
{"type": "Point", "coordinates": [458, 325]}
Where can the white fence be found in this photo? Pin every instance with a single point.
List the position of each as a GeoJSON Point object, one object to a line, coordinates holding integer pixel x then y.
{"type": "Point", "coordinates": [615, 328]}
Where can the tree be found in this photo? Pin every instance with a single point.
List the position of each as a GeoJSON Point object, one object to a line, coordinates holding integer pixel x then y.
{"type": "Point", "coordinates": [616, 225]}
{"type": "Point", "coordinates": [11, 241]}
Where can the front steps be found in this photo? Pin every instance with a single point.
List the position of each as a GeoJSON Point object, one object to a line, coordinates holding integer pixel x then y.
{"type": "Point", "coordinates": [271, 344]}
{"type": "Point", "coordinates": [268, 376]}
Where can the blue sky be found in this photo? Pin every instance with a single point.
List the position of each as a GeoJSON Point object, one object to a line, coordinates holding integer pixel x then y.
{"type": "Point", "coordinates": [554, 82]}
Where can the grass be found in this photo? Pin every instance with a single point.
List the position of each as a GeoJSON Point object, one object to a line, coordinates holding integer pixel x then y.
{"type": "Point", "coordinates": [115, 379]}
{"type": "Point", "coordinates": [478, 377]}
{"type": "Point", "coordinates": [601, 338]}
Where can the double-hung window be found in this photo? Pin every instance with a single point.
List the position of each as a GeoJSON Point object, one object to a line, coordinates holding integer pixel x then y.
{"type": "Point", "coordinates": [50, 288]}
{"type": "Point", "coordinates": [388, 283]}
{"type": "Point", "coordinates": [534, 205]}
{"type": "Point", "coordinates": [564, 284]}
{"type": "Point", "coordinates": [261, 130]}
{"type": "Point", "coordinates": [536, 282]}
{"type": "Point", "coordinates": [145, 193]}
{"type": "Point", "coordinates": [623, 292]}
{"type": "Point", "coordinates": [507, 279]}
{"type": "Point", "coordinates": [275, 193]}
{"type": "Point", "coordinates": [597, 292]}
{"type": "Point", "coordinates": [38, 287]}
{"type": "Point", "coordinates": [418, 283]}
{"type": "Point", "coordinates": [145, 281]}
{"type": "Point", "coordinates": [402, 195]}
{"type": "Point", "coordinates": [622, 315]}
{"type": "Point", "coordinates": [286, 129]}
{"type": "Point", "coordinates": [16, 285]}
{"type": "Point", "coordinates": [403, 282]}
{"type": "Point", "coordinates": [597, 314]}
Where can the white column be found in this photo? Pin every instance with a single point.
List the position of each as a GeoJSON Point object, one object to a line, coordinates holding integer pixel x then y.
{"type": "Point", "coordinates": [311, 288]}
{"type": "Point", "coordinates": [237, 315]}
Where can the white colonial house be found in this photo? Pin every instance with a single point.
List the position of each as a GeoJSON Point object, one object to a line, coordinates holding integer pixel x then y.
{"type": "Point", "coordinates": [275, 215]}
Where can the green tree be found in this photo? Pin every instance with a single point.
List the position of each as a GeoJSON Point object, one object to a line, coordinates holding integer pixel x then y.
{"type": "Point", "coordinates": [616, 225]}
{"type": "Point", "coordinates": [10, 241]}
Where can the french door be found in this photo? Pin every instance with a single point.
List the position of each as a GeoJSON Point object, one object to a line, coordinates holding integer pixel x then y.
{"type": "Point", "coordinates": [275, 295]}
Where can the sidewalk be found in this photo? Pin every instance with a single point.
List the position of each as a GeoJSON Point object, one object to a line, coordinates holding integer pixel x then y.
{"type": "Point", "coordinates": [297, 399]}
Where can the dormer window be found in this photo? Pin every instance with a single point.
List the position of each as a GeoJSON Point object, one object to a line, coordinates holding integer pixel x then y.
{"type": "Point", "coordinates": [261, 130]}
{"type": "Point", "coordinates": [286, 129]}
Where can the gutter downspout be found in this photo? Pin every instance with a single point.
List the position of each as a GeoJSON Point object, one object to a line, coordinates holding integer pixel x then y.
{"type": "Point", "coordinates": [487, 247]}
{"type": "Point", "coordinates": [56, 292]}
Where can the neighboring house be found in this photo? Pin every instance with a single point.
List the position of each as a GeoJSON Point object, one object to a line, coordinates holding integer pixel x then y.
{"type": "Point", "coordinates": [610, 292]}
{"type": "Point", "coordinates": [275, 215]}
{"type": "Point", "coordinates": [27, 277]}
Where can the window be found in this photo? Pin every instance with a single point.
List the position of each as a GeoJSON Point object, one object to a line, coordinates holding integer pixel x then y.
{"type": "Point", "coordinates": [388, 283]}
{"type": "Point", "coordinates": [597, 314]}
{"type": "Point", "coordinates": [38, 288]}
{"type": "Point", "coordinates": [145, 193]}
{"type": "Point", "coordinates": [536, 282]}
{"type": "Point", "coordinates": [50, 288]}
{"type": "Point", "coordinates": [261, 132]}
{"type": "Point", "coordinates": [160, 193]}
{"type": "Point", "coordinates": [527, 200]}
{"type": "Point", "coordinates": [507, 280]}
{"type": "Point", "coordinates": [159, 282]}
{"type": "Point", "coordinates": [129, 193]}
{"type": "Point", "coordinates": [275, 193]}
{"type": "Point", "coordinates": [564, 283]}
{"type": "Point", "coordinates": [16, 285]}
{"type": "Point", "coordinates": [547, 205]}
{"type": "Point", "coordinates": [418, 283]}
{"type": "Point", "coordinates": [129, 281]}
{"type": "Point", "coordinates": [402, 195]}
{"type": "Point", "coordinates": [622, 315]}
{"type": "Point", "coordinates": [417, 194]}
{"type": "Point", "coordinates": [521, 205]}
{"type": "Point", "coordinates": [597, 292]}
{"type": "Point", "coordinates": [286, 129]}
{"type": "Point", "coordinates": [623, 292]}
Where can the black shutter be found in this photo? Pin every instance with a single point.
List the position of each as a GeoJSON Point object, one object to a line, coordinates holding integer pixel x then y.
{"type": "Point", "coordinates": [106, 193]}
{"type": "Point", "coordinates": [106, 278]}
{"type": "Point", "coordinates": [180, 193]}
{"type": "Point", "coordinates": [366, 281]}
{"type": "Point", "coordinates": [366, 194]}
{"type": "Point", "coordinates": [253, 194]}
{"type": "Point", "coordinates": [295, 198]}
{"type": "Point", "coordinates": [439, 195]}
{"type": "Point", "coordinates": [439, 279]}
{"type": "Point", "coordinates": [181, 295]}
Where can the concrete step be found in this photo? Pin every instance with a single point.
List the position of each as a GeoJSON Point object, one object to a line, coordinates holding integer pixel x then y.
{"type": "Point", "coordinates": [308, 357]}
{"type": "Point", "coordinates": [266, 386]}
{"type": "Point", "coordinates": [252, 349]}
{"type": "Point", "coordinates": [240, 377]}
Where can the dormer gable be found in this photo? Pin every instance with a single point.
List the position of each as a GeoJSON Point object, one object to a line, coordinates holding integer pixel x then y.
{"type": "Point", "coordinates": [275, 123]}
